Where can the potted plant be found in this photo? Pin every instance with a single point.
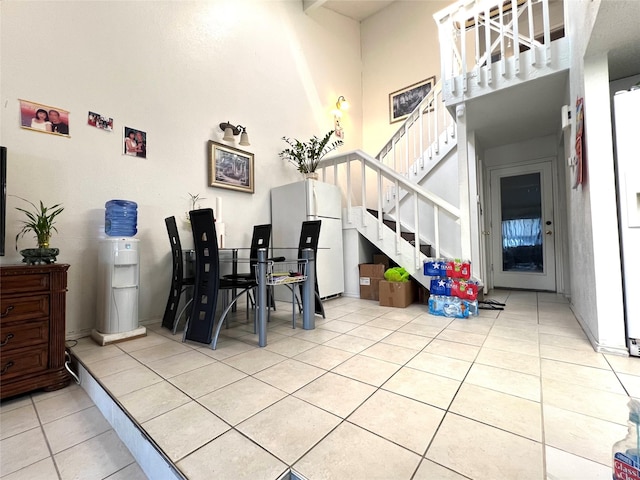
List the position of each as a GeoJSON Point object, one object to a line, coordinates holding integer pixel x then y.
{"type": "Point", "coordinates": [195, 204]}
{"type": "Point", "coordinates": [306, 155]}
{"type": "Point", "coordinates": [41, 221]}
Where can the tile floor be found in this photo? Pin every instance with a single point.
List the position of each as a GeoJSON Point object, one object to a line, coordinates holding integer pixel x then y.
{"type": "Point", "coordinates": [372, 393]}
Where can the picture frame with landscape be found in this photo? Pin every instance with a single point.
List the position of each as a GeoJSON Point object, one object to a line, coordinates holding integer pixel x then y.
{"type": "Point", "coordinates": [230, 168]}
{"type": "Point", "coordinates": [402, 102]}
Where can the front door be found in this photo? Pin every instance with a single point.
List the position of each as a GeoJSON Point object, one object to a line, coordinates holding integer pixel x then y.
{"type": "Point", "coordinates": [522, 230]}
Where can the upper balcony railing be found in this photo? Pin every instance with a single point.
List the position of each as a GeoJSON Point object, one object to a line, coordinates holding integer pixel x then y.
{"type": "Point", "coordinates": [476, 34]}
{"type": "Point", "coordinates": [421, 137]}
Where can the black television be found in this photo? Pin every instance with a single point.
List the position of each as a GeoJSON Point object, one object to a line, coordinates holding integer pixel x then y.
{"type": "Point", "coordinates": [3, 196]}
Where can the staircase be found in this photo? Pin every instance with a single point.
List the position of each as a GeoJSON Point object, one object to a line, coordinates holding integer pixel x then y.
{"type": "Point", "coordinates": [417, 198]}
{"type": "Point", "coordinates": [406, 235]}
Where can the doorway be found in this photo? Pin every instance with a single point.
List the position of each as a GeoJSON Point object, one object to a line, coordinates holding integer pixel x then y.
{"type": "Point", "coordinates": [521, 231]}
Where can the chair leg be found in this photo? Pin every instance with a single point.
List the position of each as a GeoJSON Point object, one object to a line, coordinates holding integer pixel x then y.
{"type": "Point", "coordinates": [223, 319]}
{"type": "Point", "coordinates": [177, 322]}
{"type": "Point", "coordinates": [321, 304]}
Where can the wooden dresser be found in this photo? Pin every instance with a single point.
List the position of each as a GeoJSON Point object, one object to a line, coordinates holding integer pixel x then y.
{"type": "Point", "coordinates": [32, 328]}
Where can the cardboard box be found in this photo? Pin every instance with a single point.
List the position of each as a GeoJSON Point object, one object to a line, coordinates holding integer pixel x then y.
{"type": "Point", "coordinates": [370, 276]}
{"type": "Point", "coordinates": [383, 259]}
{"type": "Point", "coordinates": [396, 294]}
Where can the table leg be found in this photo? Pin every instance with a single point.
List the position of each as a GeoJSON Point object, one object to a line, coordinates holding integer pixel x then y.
{"type": "Point", "coordinates": [262, 297]}
{"type": "Point", "coordinates": [234, 271]}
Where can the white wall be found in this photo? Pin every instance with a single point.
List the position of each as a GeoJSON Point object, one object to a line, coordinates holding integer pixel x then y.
{"type": "Point", "coordinates": [175, 70]}
{"type": "Point", "coordinates": [399, 48]}
{"type": "Point", "coordinates": [596, 290]}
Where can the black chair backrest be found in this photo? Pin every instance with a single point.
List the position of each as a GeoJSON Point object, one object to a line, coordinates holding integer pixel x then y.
{"type": "Point", "coordinates": [309, 236]}
{"type": "Point", "coordinates": [207, 281]}
{"type": "Point", "coordinates": [261, 238]}
{"type": "Point", "coordinates": [175, 291]}
{"type": "Point", "coordinates": [176, 249]}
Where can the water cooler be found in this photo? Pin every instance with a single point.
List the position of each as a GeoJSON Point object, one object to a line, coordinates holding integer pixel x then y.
{"type": "Point", "coordinates": [118, 287]}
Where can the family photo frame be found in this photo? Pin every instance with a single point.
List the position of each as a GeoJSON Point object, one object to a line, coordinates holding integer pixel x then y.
{"type": "Point", "coordinates": [230, 168]}
{"type": "Point", "coordinates": [44, 118]}
{"type": "Point", "coordinates": [402, 102]}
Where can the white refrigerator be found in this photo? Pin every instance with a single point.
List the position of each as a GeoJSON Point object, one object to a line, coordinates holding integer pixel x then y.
{"type": "Point", "coordinates": [627, 129]}
{"type": "Point", "coordinates": [311, 200]}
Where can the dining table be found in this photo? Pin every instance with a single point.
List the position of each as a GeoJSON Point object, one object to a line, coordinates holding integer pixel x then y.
{"type": "Point", "coordinates": [308, 293]}
{"type": "Point", "coordinates": [264, 269]}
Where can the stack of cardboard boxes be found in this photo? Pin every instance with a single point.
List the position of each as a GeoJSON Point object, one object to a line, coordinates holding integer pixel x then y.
{"type": "Point", "coordinates": [373, 286]}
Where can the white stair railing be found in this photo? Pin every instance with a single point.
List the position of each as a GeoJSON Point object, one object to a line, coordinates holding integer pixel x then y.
{"type": "Point", "coordinates": [362, 179]}
{"type": "Point", "coordinates": [419, 138]}
{"type": "Point", "coordinates": [475, 34]}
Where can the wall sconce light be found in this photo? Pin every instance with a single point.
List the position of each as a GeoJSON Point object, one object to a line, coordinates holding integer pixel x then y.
{"type": "Point", "coordinates": [342, 103]}
{"type": "Point", "coordinates": [231, 130]}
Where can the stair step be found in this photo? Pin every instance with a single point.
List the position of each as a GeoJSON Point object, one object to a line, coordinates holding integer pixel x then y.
{"type": "Point", "coordinates": [425, 249]}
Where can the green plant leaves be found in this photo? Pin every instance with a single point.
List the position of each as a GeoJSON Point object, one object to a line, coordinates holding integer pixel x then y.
{"type": "Point", "coordinates": [306, 156]}
{"type": "Point", "coordinates": [40, 220]}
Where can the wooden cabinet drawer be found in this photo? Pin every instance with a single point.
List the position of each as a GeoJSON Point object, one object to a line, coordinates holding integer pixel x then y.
{"type": "Point", "coordinates": [22, 362]}
{"type": "Point", "coordinates": [25, 334]}
{"type": "Point", "coordinates": [13, 308]}
{"type": "Point", "coordinates": [29, 283]}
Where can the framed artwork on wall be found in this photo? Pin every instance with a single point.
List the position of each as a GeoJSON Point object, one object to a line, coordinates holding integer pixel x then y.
{"type": "Point", "coordinates": [99, 121]}
{"type": "Point", "coordinates": [230, 168]}
{"type": "Point", "coordinates": [135, 142]}
{"type": "Point", "coordinates": [402, 102]}
{"type": "Point", "coordinates": [44, 118]}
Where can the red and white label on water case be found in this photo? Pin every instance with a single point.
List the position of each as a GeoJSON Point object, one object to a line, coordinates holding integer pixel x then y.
{"type": "Point", "coordinates": [623, 468]}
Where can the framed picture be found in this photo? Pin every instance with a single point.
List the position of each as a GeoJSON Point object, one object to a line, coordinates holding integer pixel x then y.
{"type": "Point", "coordinates": [98, 121]}
{"type": "Point", "coordinates": [230, 168]}
{"type": "Point", "coordinates": [403, 102]}
{"type": "Point", "coordinates": [44, 118]}
{"type": "Point", "coordinates": [134, 142]}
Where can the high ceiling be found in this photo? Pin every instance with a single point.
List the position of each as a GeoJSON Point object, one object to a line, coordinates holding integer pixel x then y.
{"type": "Point", "coordinates": [355, 9]}
{"type": "Point", "coordinates": [616, 23]}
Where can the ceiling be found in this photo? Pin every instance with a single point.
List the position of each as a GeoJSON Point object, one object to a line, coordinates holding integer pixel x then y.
{"type": "Point", "coordinates": [356, 9]}
{"type": "Point", "coordinates": [514, 114]}
{"type": "Point", "coordinates": [616, 24]}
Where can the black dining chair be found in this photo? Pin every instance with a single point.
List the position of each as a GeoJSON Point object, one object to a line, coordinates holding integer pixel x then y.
{"type": "Point", "coordinates": [208, 284]}
{"type": "Point", "coordinates": [309, 239]}
{"type": "Point", "coordinates": [260, 239]}
{"type": "Point", "coordinates": [179, 282]}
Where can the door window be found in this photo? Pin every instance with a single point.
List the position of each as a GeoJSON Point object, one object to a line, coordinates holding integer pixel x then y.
{"type": "Point", "coordinates": [521, 205]}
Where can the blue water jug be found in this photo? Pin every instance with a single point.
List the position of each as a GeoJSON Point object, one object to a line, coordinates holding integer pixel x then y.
{"type": "Point", "coordinates": [121, 218]}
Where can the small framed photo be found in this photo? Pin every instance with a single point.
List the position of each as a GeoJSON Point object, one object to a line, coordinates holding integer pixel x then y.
{"type": "Point", "coordinates": [98, 121]}
{"type": "Point", "coordinates": [44, 118]}
{"type": "Point", "coordinates": [230, 168]}
{"type": "Point", "coordinates": [135, 142]}
{"type": "Point", "coordinates": [403, 102]}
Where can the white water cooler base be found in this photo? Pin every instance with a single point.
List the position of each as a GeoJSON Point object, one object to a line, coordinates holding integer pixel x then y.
{"type": "Point", "coordinates": [107, 338]}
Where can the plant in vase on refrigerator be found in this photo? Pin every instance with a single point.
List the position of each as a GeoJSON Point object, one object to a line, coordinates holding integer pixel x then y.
{"type": "Point", "coordinates": [306, 155]}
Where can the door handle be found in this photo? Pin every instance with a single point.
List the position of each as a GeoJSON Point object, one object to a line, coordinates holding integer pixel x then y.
{"type": "Point", "coordinates": [548, 232]}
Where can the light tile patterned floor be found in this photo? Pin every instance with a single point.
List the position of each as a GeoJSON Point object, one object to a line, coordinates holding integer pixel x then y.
{"type": "Point", "coordinates": [372, 392]}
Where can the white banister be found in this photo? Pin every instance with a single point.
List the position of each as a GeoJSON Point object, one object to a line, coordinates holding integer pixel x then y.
{"type": "Point", "coordinates": [425, 204]}
{"type": "Point", "coordinates": [491, 29]}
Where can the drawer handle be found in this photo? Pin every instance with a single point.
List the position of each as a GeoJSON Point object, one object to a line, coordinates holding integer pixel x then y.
{"type": "Point", "coordinates": [6, 367]}
{"type": "Point", "coordinates": [6, 312]}
{"type": "Point", "coordinates": [6, 339]}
